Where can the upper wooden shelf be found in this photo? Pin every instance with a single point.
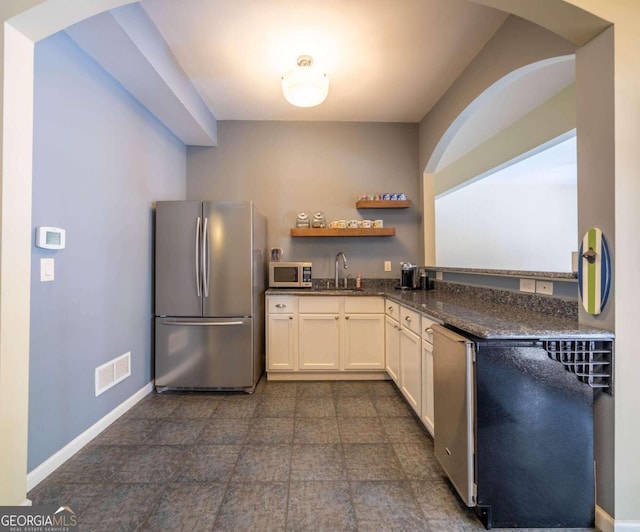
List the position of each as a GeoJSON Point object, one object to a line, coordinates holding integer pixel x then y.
{"type": "Point", "coordinates": [383, 204]}
{"type": "Point", "coordinates": [329, 231]}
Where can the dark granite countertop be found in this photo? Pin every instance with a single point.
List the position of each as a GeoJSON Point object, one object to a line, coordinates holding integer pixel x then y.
{"type": "Point", "coordinates": [482, 317]}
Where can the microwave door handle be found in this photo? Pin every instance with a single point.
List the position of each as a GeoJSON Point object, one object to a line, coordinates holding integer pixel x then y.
{"type": "Point", "coordinates": [197, 257]}
{"type": "Point", "coordinates": [205, 257]}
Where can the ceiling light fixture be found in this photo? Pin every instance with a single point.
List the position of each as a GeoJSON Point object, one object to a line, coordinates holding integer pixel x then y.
{"type": "Point", "coordinates": [305, 85]}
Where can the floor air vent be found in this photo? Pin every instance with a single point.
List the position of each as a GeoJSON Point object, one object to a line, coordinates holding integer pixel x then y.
{"type": "Point", "coordinates": [112, 372]}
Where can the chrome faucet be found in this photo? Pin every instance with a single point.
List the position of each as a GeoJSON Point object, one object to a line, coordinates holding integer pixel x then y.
{"type": "Point", "coordinates": [344, 262]}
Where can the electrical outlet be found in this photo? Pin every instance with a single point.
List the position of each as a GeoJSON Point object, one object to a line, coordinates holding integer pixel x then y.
{"type": "Point", "coordinates": [544, 287]}
{"type": "Point", "coordinates": [439, 276]}
{"type": "Point", "coordinates": [528, 285]}
{"type": "Point", "coordinates": [387, 265]}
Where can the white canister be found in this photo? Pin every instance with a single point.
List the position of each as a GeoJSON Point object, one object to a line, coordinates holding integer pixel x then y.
{"type": "Point", "coordinates": [378, 223]}
{"type": "Point", "coordinates": [366, 224]}
{"type": "Point", "coordinates": [342, 224]}
{"type": "Point", "coordinates": [302, 220]}
{"type": "Point", "coordinates": [353, 224]}
{"type": "Point", "coordinates": [318, 220]}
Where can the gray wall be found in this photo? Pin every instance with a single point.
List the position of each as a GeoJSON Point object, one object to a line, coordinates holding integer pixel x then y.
{"type": "Point", "coordinates": [287, 167]}
{"type": "Point", "coordinates": [517, 43]}
{"type": "Point", "coordinates": [100, 161]}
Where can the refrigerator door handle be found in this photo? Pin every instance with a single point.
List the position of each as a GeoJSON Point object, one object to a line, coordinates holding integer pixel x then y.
{"type": "Point", "coordinates": [205, 257]}
{"type": "Point", "coordinates": [202, 323]}
{"type": "Point", "coordinates": [198, 281]}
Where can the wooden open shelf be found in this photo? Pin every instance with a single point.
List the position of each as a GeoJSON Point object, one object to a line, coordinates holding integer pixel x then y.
{"type": "Point", "coordinates": [374, 231]}
{"type": "Point", "coordinates": [383, 204]}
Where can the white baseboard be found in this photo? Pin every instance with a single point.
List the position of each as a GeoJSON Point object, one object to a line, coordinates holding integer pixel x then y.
{"type": "Point", "coordinates": [55, 461]}
{"type": "Point", "coordinates": [627, 526]}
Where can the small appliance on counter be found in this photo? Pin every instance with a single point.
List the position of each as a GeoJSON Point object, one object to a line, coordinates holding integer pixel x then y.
{"type": "Point", "coordinates": [408, 276]}
{"type": "Point", "coordinates": [290, 275]}
{"type": "Point", "coordinates": [425, 283]}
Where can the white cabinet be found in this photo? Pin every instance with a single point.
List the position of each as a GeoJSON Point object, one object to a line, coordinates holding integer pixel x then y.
{"type": "Point", "coordinates": [282, 333]}
{"type": "Point", "coordinates": [325, 334]}
{"type": "Point", "coordinates": [392, 339]}
{"type": "Point", "coordinates": [281, 341]}
{"type": "Point", "coordinates": [427, 386]}
{"type": "Point", "coordinates": [319, 344]}
{"type": "Point", "coordinates": [363, 346]}
{"type": "Point", "coordinates": [319, 333]}
{"type": "Point", "coordinates": [427, 375]}
{"type": "Point", "coordinates": [392, 347]}
{"type": "Point", "coordinates": [364, 341]}
{"type": "Point", "coordinates": [411, 368]}
{"type": "Point", "coordinates": [409, 357]}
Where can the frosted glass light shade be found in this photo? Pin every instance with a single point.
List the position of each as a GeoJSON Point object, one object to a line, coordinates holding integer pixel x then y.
{"type": "Point", "coordinates": [305, 85]}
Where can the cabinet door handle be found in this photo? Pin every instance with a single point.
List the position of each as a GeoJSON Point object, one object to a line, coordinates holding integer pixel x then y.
{"type": "Point", "coordinates": [346, 317]}
{"type": "Point", "coordinates": [429, 330]}
{"type": "Point", "coordinates": [390, 309]}
{"type": "Point", "coordinates": [407, 319]}
{"type": "Point", "coordinates": [281, 305]}
{"type": "Point", "coordinates": [290, 317]}
{"type": "Point", "coordinates": [336, 317]}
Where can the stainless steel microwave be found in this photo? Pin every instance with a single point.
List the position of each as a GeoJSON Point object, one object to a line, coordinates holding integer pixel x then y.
{"type": "Point", "coordinates": [290, 274]}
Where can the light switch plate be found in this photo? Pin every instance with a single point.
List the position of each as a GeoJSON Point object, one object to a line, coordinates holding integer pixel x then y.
{"type": "Point", "coordinates": [387, 265]}
{"type": "Point", "coordinates": [47, 270]}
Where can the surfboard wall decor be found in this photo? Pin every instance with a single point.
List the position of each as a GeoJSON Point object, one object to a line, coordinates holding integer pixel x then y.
{"type": "Point", "coordinates": [594, 271]}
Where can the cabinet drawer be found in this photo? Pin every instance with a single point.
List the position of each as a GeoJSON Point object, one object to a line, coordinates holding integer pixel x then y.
{"type": "Point", "coordinates": [392, 309]}
{"type": "Point", "coordinates": [281, 304]}
{"type": "Point", "coordinates": [363, 305]}
{"type": "Point", "coordinates": [319, 305]}
{"type": "Point", "coordinates": [410, 320]}
{"type": "Point", "coordinates": [427, 332]}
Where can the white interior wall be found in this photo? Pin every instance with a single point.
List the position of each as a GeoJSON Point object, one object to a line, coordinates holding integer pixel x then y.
{"type": "Point", "coordinates": [518, 227]}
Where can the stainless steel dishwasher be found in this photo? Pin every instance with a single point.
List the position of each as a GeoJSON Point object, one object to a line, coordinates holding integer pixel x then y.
{"type": "Point", "coordinates": [454, 408]}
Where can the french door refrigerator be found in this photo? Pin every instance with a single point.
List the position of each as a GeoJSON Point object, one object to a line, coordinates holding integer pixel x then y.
{"type": "Point", "coordinates": [209, 295]}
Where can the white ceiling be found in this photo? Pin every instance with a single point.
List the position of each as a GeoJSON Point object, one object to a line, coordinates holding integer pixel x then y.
{"type": "Point", "coordinates": [387, 60]}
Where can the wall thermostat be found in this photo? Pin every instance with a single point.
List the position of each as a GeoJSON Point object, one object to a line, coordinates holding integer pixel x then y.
{"type": "Point", "coordinates": [50, 237]}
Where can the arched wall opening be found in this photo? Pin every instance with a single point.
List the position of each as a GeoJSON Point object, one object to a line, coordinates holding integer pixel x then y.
{"type": "Point", "coordinates": [521, 115]}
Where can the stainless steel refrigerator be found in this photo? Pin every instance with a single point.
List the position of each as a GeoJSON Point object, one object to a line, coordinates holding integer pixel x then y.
{"type": "Point", "coordinates": [210, 275]}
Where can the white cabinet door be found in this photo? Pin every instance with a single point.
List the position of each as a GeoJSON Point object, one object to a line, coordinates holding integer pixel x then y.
{"type": "Point", "coordinates": [281, 341]}
{"type": "Point", "coordinates": [427, 386]}
{"type": "Point", "coordinates": [319, 341]}
{"type": "Point", "coordinates": [364, 341]}
{"type": "Point", "coordinates": [392, 347]}
{"type": "Point", "coordinates": [411, 368]}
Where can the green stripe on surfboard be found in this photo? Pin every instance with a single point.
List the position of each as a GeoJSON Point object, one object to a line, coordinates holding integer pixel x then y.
{"type": "Point", "coordinates": [591, 275]}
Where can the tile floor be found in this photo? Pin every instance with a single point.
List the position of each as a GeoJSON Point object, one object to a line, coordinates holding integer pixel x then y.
{"type": "Point", "coordinates": [321, 456]}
